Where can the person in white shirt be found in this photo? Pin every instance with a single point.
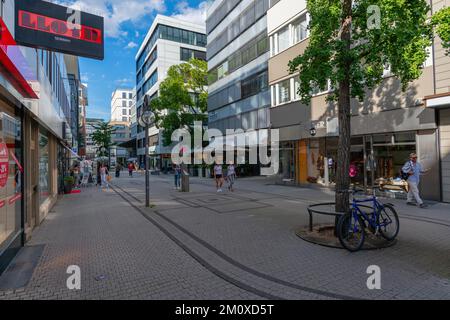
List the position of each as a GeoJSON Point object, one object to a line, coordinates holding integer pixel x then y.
{"type": "Point", "coordinates": [231, 176]}
{"type": "Point", "coordinates": [218, 176]}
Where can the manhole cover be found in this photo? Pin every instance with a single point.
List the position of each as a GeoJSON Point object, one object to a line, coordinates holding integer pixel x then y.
{"type": "Point", "coordinates": [100, 277]}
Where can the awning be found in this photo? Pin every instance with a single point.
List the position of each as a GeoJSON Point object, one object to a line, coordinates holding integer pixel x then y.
{"type": "Point", "coordinates": [438, 100]}
{"type": "Point", "coordinates": [73, 153]}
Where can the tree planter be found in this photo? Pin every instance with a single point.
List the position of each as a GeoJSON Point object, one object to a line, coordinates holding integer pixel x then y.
{"type": "Point", "coordinates": [324, 234]}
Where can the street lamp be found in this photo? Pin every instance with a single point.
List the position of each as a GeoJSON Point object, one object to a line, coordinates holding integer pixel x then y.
{"type": "Point", "coordinates": [145, 120]}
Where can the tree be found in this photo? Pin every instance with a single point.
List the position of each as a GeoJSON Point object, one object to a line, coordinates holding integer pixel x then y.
{"type": "Point", "coordinates": [441, 23]}
{"type": "Point", "coordinates": [182, 99]}
{"type": "Point", "coordinates": [102, 137]}
{"type": "Point", "coordinates": [350, 45]}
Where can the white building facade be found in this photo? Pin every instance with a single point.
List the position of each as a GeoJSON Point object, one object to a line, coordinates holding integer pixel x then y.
{"type": "Point", "coordinates": [169, 42]}
{"type": "Point", "coordinates": [121, 103]}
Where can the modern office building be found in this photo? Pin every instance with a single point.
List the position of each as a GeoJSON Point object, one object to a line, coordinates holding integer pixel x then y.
{"type": "Point", "coordinates": [91, 148]}
{"type": "Point", "coordinates": [121, 101]}
{"type": "Point", "coordinates": [169, 42]}
{"type": "Point", "coordinates": [238, 54]}
{"type": "Point", "coordinates": [38, 133]}
{"type": "Point", "coordinates": [121, 135]}
{"type": "Point", "coordinates": [83, 104]}
{"type": "Point", "coordinates": [386, 127]}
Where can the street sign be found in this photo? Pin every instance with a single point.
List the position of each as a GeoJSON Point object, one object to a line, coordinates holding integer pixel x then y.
{"type": "Point", "coordinates": [44, 25]}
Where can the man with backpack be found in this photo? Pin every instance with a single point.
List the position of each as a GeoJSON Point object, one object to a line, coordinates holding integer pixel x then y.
{"type": "Point", "coordinates": [411, 172]}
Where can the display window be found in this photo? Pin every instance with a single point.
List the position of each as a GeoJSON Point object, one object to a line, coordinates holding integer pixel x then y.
{"type": "Point", "coordinates": [44, 176]}
{"type": "Point", "coordinates": [11, 175]}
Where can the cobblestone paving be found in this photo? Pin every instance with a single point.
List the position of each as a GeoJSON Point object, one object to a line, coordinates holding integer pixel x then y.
{"type": "Point", "coordinates": [244, 245]}
{"type": "Point", "coordinates": [103, 235]}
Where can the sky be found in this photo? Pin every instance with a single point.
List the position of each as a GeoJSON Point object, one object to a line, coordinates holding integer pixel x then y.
{"type": "Point", "coordinates": [126, 25]}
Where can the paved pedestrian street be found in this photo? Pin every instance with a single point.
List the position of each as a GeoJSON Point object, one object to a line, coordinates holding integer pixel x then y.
{"type": "Point", "coordinates": [208, 245]}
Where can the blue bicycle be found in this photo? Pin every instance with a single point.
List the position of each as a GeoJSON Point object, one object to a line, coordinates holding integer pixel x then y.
{"type": "Point", "coordinates": [382, 219]}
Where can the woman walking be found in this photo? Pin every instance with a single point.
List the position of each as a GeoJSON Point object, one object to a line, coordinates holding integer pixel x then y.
{"type": "Point", "coordinates": [177, 176]}
{"type": "Point", "coordinates": [218, 175]}
{"type": "Point", "coordinates": [104, 176]}
{"type": "Point", "coordinates": [231, 176]}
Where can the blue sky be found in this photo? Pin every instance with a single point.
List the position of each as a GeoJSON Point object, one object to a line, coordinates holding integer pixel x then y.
{"type": "Point", "coordinates": [126, 24]}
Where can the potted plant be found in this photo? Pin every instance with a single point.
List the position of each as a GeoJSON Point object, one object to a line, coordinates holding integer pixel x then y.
{"type": "Point", "coordinates": [68, 184]}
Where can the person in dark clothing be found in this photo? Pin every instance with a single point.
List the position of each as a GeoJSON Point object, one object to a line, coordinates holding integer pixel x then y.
{"type": "Point", "coordinates": [118, 169]}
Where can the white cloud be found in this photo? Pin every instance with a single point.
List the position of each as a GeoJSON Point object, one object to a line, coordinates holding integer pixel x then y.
{"type": "Point", "coordinates": [131, 45]}
{"type": "Point", "coordinates": [123, 82]}
{"type": "Point", "coordinates": [184, 12]}
{"type": "Point", "coordinates": [117, 12]}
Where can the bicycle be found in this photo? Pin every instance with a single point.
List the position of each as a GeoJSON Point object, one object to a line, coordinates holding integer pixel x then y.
{"type": "Point", "coordinates": [352, 226]}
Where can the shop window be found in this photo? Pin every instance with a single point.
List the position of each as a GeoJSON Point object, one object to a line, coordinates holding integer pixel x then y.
{"type": "Point", "coordinates": [11, 170]}
{"type": "Point", "coordinates": [44, 174]}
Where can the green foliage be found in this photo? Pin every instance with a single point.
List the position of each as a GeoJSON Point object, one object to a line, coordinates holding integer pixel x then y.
{"type": "Point", "coordinates": [69, 180]}
{"type": "Point", "coordinates": [441, 22]}
{"type": "Point", "coordinates": [183, 98]}
{"type": "Point", "coordinates": [400, 42]}
{"type": "Point", "coordinates": [102, 137]}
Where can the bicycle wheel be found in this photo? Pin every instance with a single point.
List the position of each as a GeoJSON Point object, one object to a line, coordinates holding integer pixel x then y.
{"type": "Point", "coordinates": [388, 222]}
{"type": "Point", "coordinates": [351, 232]}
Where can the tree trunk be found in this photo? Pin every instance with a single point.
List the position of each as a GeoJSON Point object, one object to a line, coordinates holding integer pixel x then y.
{"type": "Point", "coordinates": [343, 162]}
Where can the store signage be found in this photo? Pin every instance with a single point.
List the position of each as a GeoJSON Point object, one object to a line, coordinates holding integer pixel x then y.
{"type": "Point", "coordinates": [4, 165]}
{"type": "Point", "coordinates": [41, 24]}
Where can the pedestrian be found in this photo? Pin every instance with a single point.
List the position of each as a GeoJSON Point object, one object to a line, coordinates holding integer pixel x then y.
{"type": "Point", "coordinates": [231, 176]}
{"type": "Point", "coordinates": [118, 169]}
{"type": "Point", "coordinates": [412, 171]}
{"type": "Point", "coordinates": [99, 176]}
{"type": "Point", "coordinates": [177, 176]}
{"type": "Point", "coordinates": [218, 175]}
{"type": "Point", "coordinates": [104, 175]}
{"type": "Point", "coordinates": [130, 169]}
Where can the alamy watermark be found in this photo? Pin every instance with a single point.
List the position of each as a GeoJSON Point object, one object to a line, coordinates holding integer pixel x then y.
{"type": "Point", "coordinates": [262, 147]}
{"type": "Point", "coordinates": [74, 280]}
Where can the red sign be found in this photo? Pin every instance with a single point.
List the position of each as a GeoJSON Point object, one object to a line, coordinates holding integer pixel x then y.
{"type": "Point", "coordinates": [12, 200]}
{"type": "Point", "coordinates": [2, 203]}
{"type": "Point", "coordinates": [4, 165]}
{"type": "Point", "coordinates": [59, 27]}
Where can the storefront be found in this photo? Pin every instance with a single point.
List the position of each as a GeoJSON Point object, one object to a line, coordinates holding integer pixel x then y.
{"type": "Point", "coordinates": [11, 182]}
{"type": "Point", "coordinates": [441, 104]}
{"type": "Point", "coordinates": [375, 161]}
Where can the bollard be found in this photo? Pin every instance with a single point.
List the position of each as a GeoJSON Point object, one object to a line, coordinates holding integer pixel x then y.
{"type": "Point", "coordinates": [184, 180]}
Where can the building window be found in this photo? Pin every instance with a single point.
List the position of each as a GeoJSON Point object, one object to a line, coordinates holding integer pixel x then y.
{"type": "Point", "coordinates": [124, 119]}
{"type": "Point", "coordinates": [241, 57]}
{"type": "Point", "coordinates": [130, 95]}
{"type": "Point", "coordinates": [284, 91]}
{"type": "Point", "coordinates": [283, 39]}
{"type": "Point", "coordinates": [254, 85]}
{"type": "Point", "coordinates": [299, 28]}
{"type": "Point", "coordinates": [124, 112]}
{"type": "Point", "coordinates": [124, 104]}
{"type": "Point", "coordinates": [187, 54]}
{"type": "Point", "coordinates": [124, 95]}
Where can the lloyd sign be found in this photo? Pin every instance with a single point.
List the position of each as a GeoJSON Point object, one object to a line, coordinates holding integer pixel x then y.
{"type": "Point", "coordinates": [44, 25]}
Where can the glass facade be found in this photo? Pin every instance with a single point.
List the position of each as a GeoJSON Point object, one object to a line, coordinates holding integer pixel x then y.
{"type": "Point", "coordinates": [249, 52]}
{"type": "Point", "coordinates": [375, 160]}
{"type": "Point", "coordinates": [171, 34]}
{"type": "Point", "coordinates": [11, 175]}
{"type": "Point", "coordinates": [188, 54]}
